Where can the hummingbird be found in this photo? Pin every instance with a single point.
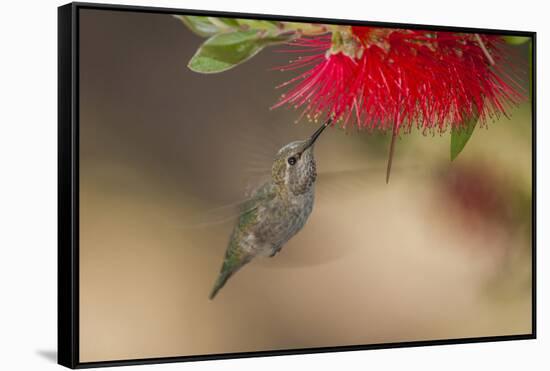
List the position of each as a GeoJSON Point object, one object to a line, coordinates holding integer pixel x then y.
{"type": "Point", "coordinates": [276, 211]}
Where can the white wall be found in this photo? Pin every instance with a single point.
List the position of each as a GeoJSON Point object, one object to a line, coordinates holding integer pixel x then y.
{"type": "Point", "coordinates": [28, 145]}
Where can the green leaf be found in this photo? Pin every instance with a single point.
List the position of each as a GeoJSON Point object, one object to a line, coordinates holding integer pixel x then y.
{"type": "Point", "coordinates": [258, 25]}
{"type": "Point", "coordinates": [516, 40]}
{"type": "Point", "coordinates": [226, 50]}
{"type": "Point", "coordinates": [461, 136]}
{"type": "Point", "coordinates": [224, 24]}
{"type": "Point", "coordinates": [199, 25]}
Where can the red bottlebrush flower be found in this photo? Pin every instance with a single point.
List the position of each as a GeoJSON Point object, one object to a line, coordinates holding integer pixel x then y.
{"type": "Point", "coordinates": [383, 78]}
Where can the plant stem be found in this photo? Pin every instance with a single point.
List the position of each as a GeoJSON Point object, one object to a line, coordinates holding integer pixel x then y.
{"type": "Point", "coordinates": [390, 156]}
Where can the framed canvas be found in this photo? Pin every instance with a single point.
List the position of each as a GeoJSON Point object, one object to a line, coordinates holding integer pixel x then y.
{"type": "Point", "coordinates": [237, 185]}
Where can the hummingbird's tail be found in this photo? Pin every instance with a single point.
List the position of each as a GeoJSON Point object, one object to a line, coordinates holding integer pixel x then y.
{"type": "Point", "coordinates": [220, 282]}
{"type": "Point", "coordinates": [230, 266]}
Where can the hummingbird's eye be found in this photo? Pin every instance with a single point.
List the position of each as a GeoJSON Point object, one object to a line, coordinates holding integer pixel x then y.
{"type": "Point", "coordinates": [292, 160]}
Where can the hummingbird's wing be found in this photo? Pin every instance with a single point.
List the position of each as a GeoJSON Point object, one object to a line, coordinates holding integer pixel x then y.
{"type": "Point", "coordinates": [207, 218]}
{"type": "Point", "coordinates": [330, 184]}
{"type": "Point", "coordinates": [230, 212]}
{"type": "Point", "coordinates": [333, 184]}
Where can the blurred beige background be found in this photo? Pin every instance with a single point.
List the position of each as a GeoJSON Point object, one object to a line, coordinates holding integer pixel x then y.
{"type": "Point", "coordinates": [443, 251]}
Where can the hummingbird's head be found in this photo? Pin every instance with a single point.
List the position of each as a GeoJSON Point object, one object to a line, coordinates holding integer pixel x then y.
{"type": "Point", "coordinates": [294, 166]}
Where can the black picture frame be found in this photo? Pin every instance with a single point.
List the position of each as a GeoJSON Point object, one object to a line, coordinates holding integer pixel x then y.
{"type": "Point", "coordinates": [68, 186]}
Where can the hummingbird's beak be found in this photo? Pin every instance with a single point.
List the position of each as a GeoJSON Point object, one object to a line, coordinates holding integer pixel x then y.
{"type": "Point", "coordinates": [318, 132]}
